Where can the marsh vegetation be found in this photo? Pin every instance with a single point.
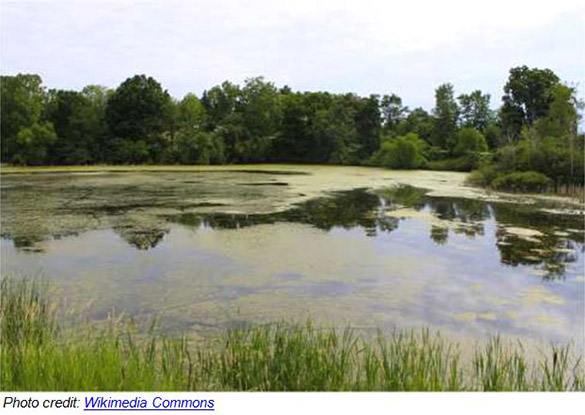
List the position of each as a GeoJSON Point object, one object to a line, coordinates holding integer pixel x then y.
{"type": "Point", "coordinates": [38, 354]}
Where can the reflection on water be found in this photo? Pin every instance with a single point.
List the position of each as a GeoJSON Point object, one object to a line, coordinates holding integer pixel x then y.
{"type": "Point", "coordinates": [374, 213]}
{"type": "Point", "coordinates": [387, 257]}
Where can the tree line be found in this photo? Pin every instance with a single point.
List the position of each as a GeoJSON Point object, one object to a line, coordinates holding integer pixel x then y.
{"type": "Point", "coordinates": [534, 130]}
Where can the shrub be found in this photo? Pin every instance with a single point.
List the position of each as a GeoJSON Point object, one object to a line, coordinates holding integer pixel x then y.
{"type": "Point", "coordinates": [469, 140]}
{"type": "Point", "coordinates": [402, 152]}
{"type": "Point", "coordinates": [467, 162]}
{"type": "Point", "coordinates": [526, 181]}
{"type": "Point", "coordinates": [483, 176]}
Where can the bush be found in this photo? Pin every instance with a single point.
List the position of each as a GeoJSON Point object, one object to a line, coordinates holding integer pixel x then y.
{"type": "Point", "coordinates": [527, 181]}
{"type": "Point", "coordinates": [467, 162]}
{"type": "Point", "coordinates": [483, 176]}
{"type": "Point", "coordinates": [402, 152]}
{"type": "Point", "coordinates": [557, 158]}
{"type": "Point", "coordinates": [125, 150]}
{"type": "Point", "coordinates": [469, 140]}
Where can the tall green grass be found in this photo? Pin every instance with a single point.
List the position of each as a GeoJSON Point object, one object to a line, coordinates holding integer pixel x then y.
{"type": "Point", "coordinates": [38, 354]}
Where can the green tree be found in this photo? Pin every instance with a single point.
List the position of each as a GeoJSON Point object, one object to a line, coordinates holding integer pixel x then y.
{"type": "Point", "coordinates": [191, 113]}
{"type": "Point", "coordinates": [368, 126]}
{"type": "Point", "coordinates": [198, 147]}
{"type": "Point", "coordinates": [446, 114]}
{"type": "Point", "coordinates": [21, 106]}
{"type": "Point", "coordinates": [420, 122]}
{"type": "Point", "coordinates": [527, 97]}
{"type": "Point", "coordinates": [475, 110]}
{"type": "Point", "coordinates": [561, 119]}
{"type": "Point", "coordinates": [33, 143]}
{"type": "Point", "coordinates": [393, 113]}
{"type": "Point", "coordinates": [469, 140]}
{"type": "Point", "coordinates": [402, 152]}
{"type": "Point", "coordinates": [220, 103]}
{"type": "Point", "coordinates": [75, 123]}
{"type": "Point", "coordinates": [95, 118]}
{"type": "Point", "coordinates": [334, 133]}
{"type": "Point", "coordinates": [260, 112]}
{"type": "Point", "coordinates": [140, 110]}
{"type": "Point", "coordinates": [293, 143]}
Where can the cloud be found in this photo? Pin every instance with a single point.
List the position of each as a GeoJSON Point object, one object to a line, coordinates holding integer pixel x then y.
{"type": "Point", "coordinates": [362, 46]}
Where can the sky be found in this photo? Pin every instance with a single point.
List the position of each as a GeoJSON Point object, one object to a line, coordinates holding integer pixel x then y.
{"type": "Point", "coordinates": [403, 47]}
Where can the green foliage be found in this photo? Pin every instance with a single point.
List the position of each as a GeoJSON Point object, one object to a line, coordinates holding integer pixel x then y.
{"type": "Point", "coordinates": [526, 181]}
{"type": "Point", "coordinates": [527, 97]}
{"type": "Point", "coordinates": [220, 103]}
{"type": "Point", "coordinates": [138, 122]}
{"type": "Point", "coordinates": [247, 118]}
{"type": "Point", "coordinates": [334, 133]}
{"type": "Point", "coordinates": [21, 107]}
{"type": "Point", "coordinates": [294, 142]}
{"type": "Point", "coordinates": [198, 147]}
{"type": "Point", "coordinates": [469, 140]}
{"type": "Point", "coordinates": [467, 162]}
{"type": "Point", "coordinates": [127, 151]}
{"type": "Point", "coordinates": [367, 121]}
{"type": "Point", "coordinates": [39, 355]}
{"type": "Point", "coordinates": [475, 110]}
{"type": "Point", "coordinates": [493, 136]}
{"type": "Point", "coordinates": [33, 143]}
{"type": "Point", "coordinates": [420, 122]}
{"type": "Point", "coordinates": [550, 156]}
{"type": "Point", "coordinates": [78, 125]}
{"type": "Point", "coordinates": [546, 153]}
{"type": "Point", "coordinates": [402, 152]}
{"type": "Point", "coordinates": [191, 113]}
{"type": "Point", "coordinates": [561, 119]}
{"type": "Point", "coordinates": [393, 113]}
{"type": "Point", "coordinates": [483, 176]}
{"type": "Point", "coordinates": [446, 113]}
{"type": "Point", "coordinates": [139, 109]}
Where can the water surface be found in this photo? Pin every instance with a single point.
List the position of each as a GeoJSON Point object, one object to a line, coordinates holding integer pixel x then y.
{"type": "Point", "coordinates": [210, 250]}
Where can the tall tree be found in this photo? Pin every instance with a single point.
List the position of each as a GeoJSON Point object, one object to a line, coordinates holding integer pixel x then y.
{"type": "Point", "coordinates": [22, 102]}
{"type": "Point", "coordinates": [95, 118]}
{"type": "Point", "coordinates": [220, 102]}
{"type": "Point", "coordinates": [261, 113]}
{"type": "Point", "coordinates": [293, 143]}
{"type": "Point", "coordinates": [33, 143]}
{"type": "Point", "coordinates": [334, 133]}
{"type": "Point", "coordinates": [393, 113]}
{"type": "Point", "coordinates": [191, 113]}
{"type": "Point", "coordinates": [75, 125]}
{"type": "Point", "coordinates": [561, 119]}
{"type": "Point", "coordinates": [527, 97]}
{"type": "Point", "coordinates": [420, 122]}
{"type": "Point", "coordinates": [368, 125]}
{"type": "Point", "coordinates": [138, 113]}
{"type": "Point", "coordinates": [475, 110]}
{"type": "Point", "coordinates": [446, 114]}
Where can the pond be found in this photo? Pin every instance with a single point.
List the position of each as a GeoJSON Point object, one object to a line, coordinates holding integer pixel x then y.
{"type": "Point", "coordinates": [208, 249]}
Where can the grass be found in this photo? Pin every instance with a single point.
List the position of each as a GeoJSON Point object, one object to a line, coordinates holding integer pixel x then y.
{"type": "Point", "coordinates": [38, 354]}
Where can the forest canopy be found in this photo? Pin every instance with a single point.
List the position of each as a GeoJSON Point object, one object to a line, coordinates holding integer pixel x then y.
{"type": "Point", "coordinates": [533, 131]}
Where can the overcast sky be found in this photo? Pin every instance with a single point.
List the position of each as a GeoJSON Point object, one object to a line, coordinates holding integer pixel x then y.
{"type": "Point", "coordinates": [406, 47]}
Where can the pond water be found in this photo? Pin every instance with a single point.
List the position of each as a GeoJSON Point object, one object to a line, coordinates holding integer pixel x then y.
{"type": "Point", "coordinates": [206, 250]}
